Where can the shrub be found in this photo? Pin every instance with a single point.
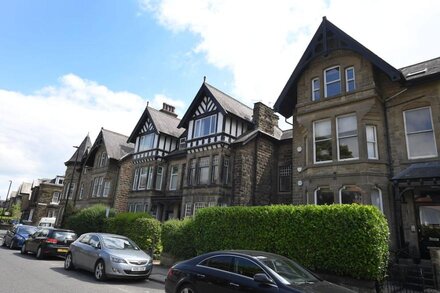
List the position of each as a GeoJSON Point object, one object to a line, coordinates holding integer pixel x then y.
{"type": "Point", "coordinates": [178, 238]}
{"type": "Point", "coordinates": [146, 233]}
{"type": "Point", "coordinates": [89, 220]}
{"type": "Point", "coordinates": [350, 240]}
{"type": "Point", "coordinates": [121, 222]}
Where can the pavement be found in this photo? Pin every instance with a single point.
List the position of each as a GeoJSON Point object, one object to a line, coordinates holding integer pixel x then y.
{"type": "Point", "coordinates": [159, 272]}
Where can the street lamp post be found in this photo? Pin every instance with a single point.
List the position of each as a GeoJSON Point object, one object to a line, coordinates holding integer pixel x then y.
{"type": "Point", "coordinates": [7, 194]}
{"type": "Point", "coordinates": [69, 187]}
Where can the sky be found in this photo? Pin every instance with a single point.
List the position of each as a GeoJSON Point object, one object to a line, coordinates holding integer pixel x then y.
{"type": "Point", "coordinates": [68, 68]}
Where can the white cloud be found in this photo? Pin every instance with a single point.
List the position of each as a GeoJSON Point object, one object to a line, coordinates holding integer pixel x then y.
{"type": "Point", "coordinates": [260, 42]}
{"type": "Point", "coordinates": [38, 131]}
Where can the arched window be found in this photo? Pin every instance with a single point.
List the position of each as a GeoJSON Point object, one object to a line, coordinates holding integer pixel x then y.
{"type": "Point", "coordinates": [324, 195]}
{"type": "Point", "coordinates": [376, 198]}
{"type": "Point", "coordinates": [349, 194]}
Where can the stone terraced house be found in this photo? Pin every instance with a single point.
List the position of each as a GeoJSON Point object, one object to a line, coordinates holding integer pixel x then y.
{"type": "Point", "coordinates": [365, 132]}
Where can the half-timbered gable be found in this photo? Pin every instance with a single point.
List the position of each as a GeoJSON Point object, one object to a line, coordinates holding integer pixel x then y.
{"type": "Point", "coordinates": [214, 119]}
{"type": "Point", "coordinates": [156, 134]}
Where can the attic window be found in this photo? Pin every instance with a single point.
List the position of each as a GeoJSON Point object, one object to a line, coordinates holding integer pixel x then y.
{"type": "Point", "coordinates": [416, 72]}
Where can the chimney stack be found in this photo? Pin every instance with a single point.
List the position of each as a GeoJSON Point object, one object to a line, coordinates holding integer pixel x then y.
{"type": "Point", "coordinates": [264, 118]}
{"type": "Point", "coordinates": [168, 109]}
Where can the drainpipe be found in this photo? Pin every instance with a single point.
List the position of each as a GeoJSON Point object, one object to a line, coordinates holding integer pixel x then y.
{"type": "Point", "coordinates": [254, 185]}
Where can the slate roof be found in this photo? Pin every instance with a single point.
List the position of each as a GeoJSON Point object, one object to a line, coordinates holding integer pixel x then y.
{"type": "Point", "coordinates": [278, 135]}
{"type": "Point", "coordinates": [422, 70]}
{"type": "Point", "coordinates": [81, 150]}
{"type": "Point", "coordinates": [227, 104]}
{"type": "Point", "coordinates": [116, 144]}
{"type": "Point", "coordinates": [327, 38]}
{"type": "Point", "coordinates": [419, 171]}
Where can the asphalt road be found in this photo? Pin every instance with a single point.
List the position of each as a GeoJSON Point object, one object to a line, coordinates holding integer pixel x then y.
{"type": "Point", "coordinates": [25, 274]}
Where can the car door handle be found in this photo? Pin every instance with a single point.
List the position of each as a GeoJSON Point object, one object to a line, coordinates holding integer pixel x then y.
{"type": "Point", "coordinates": [234, 284]}
{"type": "Point", "coordinates": [200, 276]}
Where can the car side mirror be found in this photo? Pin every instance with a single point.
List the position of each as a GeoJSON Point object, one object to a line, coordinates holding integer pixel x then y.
{"type": "Point", "coordinates": [262, 278]}
{"type": "Point", "coordinates": [96, 245]}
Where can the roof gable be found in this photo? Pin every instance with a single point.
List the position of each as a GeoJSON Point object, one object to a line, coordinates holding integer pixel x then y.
{"type": "Point", "coordinates": [209, 98]}
{"type": "Point", "coordinates": [327, 38]}
{"type": "Point", "coordinates": [156, 121]}
{"type": "Point", "coordinates": [115, 145]}
{"type": "Point", "coordinates": [81, 151]}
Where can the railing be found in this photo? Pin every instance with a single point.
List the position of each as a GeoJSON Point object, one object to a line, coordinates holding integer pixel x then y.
{"type": "Point", "coordinates": [409, 277]}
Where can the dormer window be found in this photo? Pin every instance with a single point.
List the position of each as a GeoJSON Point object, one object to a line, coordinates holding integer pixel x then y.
{"type": "Point", "coordinates": [315, 89]}
{"type": "Point", "coordinates": [332, 81]}
{"type": "Point", "coordinates": [103, 159]}
{"type": "Point", "coordinates": [350, 84]}
{"type": "Point", "coordinates": [146, 142]}
{"type": "Point", "coordinates": [205, 126]}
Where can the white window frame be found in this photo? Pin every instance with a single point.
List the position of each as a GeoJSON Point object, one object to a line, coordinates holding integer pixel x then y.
{"type": "Point", "coordinates": [432, 130]}
{"type": "Point", "coordinates": [204, 168]}
{"type": "Point", "coordinates": [197, 206]}
{"type": "Point", "coordinates": [188, 210]}
{"type": "Point", "coordinates": [335, 81]}
{"type": "Point", "coordinates": [158, 185]}
{"type": "Point", "coordinates": [372, 142]}
{"type": "Point", "coordinates": [100, 186]}
{"type": "Point", "coordinates": [150, 177]}
{"type": "Point", "coordinates": [55, 197]}
{"type": "Point", "coordinates": [142, 142]}
{"type": "Point", "coordinates": [316, 90]}
{"type": "Point", "coordinates": [81, 191]}
{"type": "Point", "coordinates": [380, 198]}
{"type": "Point", "coordinates": [142, 177]}
{"type": "Point", "coordinates": [198, 126]}
{"type": "Point", "coordinates": [106, 188]}
{"type": "Point", "coordinates": [315, 194]}
{"type": "Point", "coordinates": [173, 176]}
{"type": "Point", "coordinates": [314, 141]}
{"type": "Point", "coordinates": [344, 188]}
{"type": "Point", "coordinates": [215, 169]}
{"type": "Point", "coordinates": [136, 179]}
{"type": "Point", "coordinates": [347, 80]}
{"type": "Point", "coordinates": [338, 137]}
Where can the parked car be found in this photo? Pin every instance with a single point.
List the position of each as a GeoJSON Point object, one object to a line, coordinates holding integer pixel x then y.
{"type": "Point", "coordinates": [15, 237]}
{"type": "Point", "coordinates": [108, 255]}
{"type": "Point", "coordinates": [49, 241]}
{"type": "Point", "coordinates": [244, 271]}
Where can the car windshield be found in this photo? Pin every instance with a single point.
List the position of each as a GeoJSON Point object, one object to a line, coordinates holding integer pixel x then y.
{"type": "Point", "coordinates": [113, 242]}
{"type": "Point", "coordinates": [288, 270]}
{"type": "Point", "coordinates": [26, 230]}
{"type": "Point", "coordinates": [64, 235]}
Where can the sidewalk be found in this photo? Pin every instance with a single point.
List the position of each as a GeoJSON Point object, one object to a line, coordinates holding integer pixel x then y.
{"type": "Point", "coordinates": [159, 273]}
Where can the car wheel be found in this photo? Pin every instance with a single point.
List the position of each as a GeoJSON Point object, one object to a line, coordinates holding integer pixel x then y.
{"type": "Point", "coordinates": [11, 244]}
{"type": "Point", "coordinates": [186, 288]}
{"type": "Point", "coordinates": [23, 249]}
{"type": "Point", "coordinates": [100, 271]}
{"type": "Point", "coordinates": [68, 262]}
{"type": "Point", "coordinates": [40, 253]}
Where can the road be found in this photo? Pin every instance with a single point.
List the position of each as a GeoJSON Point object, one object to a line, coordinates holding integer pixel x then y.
{"type": "Point", "coordinates": [25, 274]}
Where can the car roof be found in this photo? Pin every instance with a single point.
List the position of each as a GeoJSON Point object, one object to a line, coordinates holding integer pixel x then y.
{"type": "Point", "coordinates": [56, 229]}
{"type": "Point", "coordinates": [108, 234]}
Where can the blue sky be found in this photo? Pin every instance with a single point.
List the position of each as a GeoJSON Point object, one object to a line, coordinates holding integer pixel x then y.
{"type": "Point", "coordinates": [68, 68]}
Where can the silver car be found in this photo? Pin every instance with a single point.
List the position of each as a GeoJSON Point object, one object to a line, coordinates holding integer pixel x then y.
{"type": "Point", "coordinates": [108, 255]}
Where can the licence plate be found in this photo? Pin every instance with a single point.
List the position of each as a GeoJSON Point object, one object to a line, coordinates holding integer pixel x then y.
{"type": "Point", "coordinates": [138, 269]}
{"type": "Point", "coordinates": [62, 250]}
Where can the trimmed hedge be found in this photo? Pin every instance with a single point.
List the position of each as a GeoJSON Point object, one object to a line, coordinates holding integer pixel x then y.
{"type": "Point", "coordinates": [146, 233]}
{"type": "Point", "coordinates": [349, 240]}
{"type": "Point", "coordinates": [178, 238]}
{"type": "Point", "coordinates": [122, 222]}
{"type": "Point", "coordinates": [90, 219]}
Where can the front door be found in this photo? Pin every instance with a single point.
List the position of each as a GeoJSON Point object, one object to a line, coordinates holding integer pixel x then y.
{"type": "Point", "coordinates": [428, 211]}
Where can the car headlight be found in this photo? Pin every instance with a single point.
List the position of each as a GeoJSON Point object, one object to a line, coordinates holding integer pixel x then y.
{"type": "Point", "coordinates": [117, 259]}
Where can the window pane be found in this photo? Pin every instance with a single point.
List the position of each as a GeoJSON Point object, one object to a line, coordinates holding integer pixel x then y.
{"type": "Point", "coordinates": [159, 178]}
{"type": "Point", "coordinates": [221, 262]}
{"type": "Point", "coordinates": [351, 195]}
{"type": "Point", "coordinates": [333, 89]}
{"type": "Point", "coordinates": [350, 73]}
{"type": "Point", "coordinates": [246, 268]}
{"type": "Point", "coordinates": [332, 74]}
{"type": "Point", "coordinates": [324, 196]}
{"type": "Point", "coordinates": [422, 144]}
{"type": "Point", "coordinates": [285, 176]}
{"type": "Point", "coordinates": [348, 148]}
{"type": "Point", "coordinates": [371, 133]}
{"type": "Point", "coordinates": [323, 130]}
{"type": "Point", "coordinates": [418, 120]}
{"type": "Point", "coordinates": [371, 147]}
{"type": "Point", "coordinates": [347, 126]}
{"type": "Point", "coordinates": [376, 199]}
{"type": "Point", "coordinates": [323, 151]}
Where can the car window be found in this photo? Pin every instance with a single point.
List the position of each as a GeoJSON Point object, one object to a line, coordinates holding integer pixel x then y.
{"type": "Point", "coordinates": [222, 262]}
{"type": "Point", "coordinates": [113, 242]}
{"type": "Point", "coordinates": [85, 238]}
{"type": "Point", "coordinates": [44, 233]}
{"type": "Point", "coordinates": [246, 267]}
{"type": "Point", "coordinates": [94, 241]}
{"type": "Point", "coordinates": [63, 235]}
{"type": "Point", "coordinates": [27, 229]}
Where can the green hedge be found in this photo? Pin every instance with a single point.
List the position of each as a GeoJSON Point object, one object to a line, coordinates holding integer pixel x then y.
{"type": "Point", "coordinates": [122, 222]}
{"type": "Point", "coordinates": [146, 233]}
{"type": "Point", "coordinates": [178, 238]}
{"type": "Point", "coordinates": [90, 219]}
{"type": "Point", "coordinates": [350, 240]}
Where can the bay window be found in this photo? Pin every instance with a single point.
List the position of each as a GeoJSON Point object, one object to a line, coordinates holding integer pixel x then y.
{"type": "Point", "coordinates": [371, 142]}
{"type": "Point", "coordinates": [322, 136]}
{"type": "Point", "coordinates": [347, 137]}
{"type": "Point", "coordinates": [205, 126]}
{"type": "Point", "coordinates": [159, 176]}
{"type": "Point", "coordinates": [173, 177]}
{"type": "Point", "coordinates": [323, 196]}
{"type": "Point", "coordinates": [146, 142]}
{"type": "Point", "coordinates": [350, 194]}
{"type": "Point", "coordinates": [143, 178]}
{"type": "Point", "coordinates": [204, 170]}
{"type": "Point", "coordinates": [419, 131]}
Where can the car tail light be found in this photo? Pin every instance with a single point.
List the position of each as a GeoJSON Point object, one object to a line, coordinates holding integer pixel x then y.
{"type": "Point", "coordinates": [170, 273]}
{"type": "Point", "coordinates": [51, 240]}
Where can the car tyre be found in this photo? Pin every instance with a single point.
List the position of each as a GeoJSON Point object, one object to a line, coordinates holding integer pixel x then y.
{"type": "Point", "coordinates": [39, 253]}
{"type": "Point", "coordinates": [23, 249]}
{"type": "Point", "coordinates": [187, 288]}
{"type": "Point", "coordinates": [100, 271]}
{"type": "Point", "coordinates": [68, 262]}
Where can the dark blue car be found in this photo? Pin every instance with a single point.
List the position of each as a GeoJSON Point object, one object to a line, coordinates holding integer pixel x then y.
{"type": "Point", "coordinates": [16, 236]}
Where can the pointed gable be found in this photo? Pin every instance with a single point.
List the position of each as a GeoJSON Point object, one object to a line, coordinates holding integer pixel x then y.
{"type": "Point", "coordinates": [156, 121]}
{"type": "Point", "coordinates": [208, 99]}
{"type": "Point", "coordinates": [327, 38]}
{"type": "Point", "coordinates": [80, 152]}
